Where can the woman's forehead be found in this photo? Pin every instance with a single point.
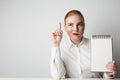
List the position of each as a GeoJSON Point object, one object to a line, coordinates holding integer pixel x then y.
{"type": "Point", "coordinates": [74, 18]}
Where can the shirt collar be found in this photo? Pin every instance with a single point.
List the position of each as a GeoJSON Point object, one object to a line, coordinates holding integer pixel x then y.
{"type": "Point", "coordinates": [70, 44]}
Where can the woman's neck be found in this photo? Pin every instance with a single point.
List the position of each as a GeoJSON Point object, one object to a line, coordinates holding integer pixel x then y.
{"type": "Point", "coordinates": [77, 42]}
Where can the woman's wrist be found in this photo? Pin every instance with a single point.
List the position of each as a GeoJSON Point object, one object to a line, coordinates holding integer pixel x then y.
{"type": "Point", "coordinates": [56, 44]}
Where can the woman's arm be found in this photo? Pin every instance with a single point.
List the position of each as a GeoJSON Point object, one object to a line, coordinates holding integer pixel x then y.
{"type": "Point", "coordinates": [56, 63]}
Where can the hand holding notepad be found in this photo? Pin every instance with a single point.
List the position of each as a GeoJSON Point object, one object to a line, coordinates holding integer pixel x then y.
{"type": "Point", "coordinates": [101, 52]}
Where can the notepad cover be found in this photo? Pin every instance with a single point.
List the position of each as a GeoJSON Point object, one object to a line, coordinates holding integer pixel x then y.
{"type": "Point", "coordinates": [101, 52]}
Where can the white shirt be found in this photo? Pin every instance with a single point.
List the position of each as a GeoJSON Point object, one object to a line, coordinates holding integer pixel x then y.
{"type": "Point", "coordinates": [72, 61]}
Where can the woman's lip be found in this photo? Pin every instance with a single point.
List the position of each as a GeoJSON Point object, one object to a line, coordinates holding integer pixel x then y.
{"type": "Point", "coordinates": [75, 34]}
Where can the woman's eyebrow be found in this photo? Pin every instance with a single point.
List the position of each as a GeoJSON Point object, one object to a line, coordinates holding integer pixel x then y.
{"type": "Point", "coordinates": [70, 23]}
{"type": "Point", "coordinates": [80, 22]}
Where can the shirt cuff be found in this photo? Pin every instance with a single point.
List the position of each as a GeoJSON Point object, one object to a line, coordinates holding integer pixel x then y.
{"type": "Point", "coordinates": [106, 76]}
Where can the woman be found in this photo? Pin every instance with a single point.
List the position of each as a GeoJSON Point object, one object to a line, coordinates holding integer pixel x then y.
{"type": "Point", "coordinates": [72, 59]}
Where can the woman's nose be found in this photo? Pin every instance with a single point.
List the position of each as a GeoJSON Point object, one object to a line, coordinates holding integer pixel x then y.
{"type": "Point", "coordinates": [75, 28]}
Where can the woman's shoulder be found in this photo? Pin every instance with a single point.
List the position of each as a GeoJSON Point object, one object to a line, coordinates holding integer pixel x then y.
{"type": "Point", "coordinates": [65, 44]}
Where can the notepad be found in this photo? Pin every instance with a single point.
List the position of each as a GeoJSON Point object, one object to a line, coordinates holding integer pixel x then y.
{"type": "Point", "coordinates": [101, 52]}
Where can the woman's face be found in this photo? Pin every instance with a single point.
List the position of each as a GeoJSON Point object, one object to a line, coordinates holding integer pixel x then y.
{"type": "Point", "coordinates": [74, 27]}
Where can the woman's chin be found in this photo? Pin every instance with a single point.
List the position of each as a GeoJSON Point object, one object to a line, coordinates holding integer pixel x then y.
{"type": "Point", "coordinates": [76, 38]}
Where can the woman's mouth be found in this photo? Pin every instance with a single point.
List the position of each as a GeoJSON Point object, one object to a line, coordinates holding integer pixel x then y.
{"type": "Point", "coordinates": [76, 34]}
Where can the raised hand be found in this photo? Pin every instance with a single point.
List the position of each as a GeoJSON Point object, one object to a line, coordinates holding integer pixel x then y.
{"type": "Point", "coordinates": [57, 36]}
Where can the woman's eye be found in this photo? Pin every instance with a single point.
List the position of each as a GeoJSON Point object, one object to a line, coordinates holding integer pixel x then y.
{"type": "Point", "coordinates": [81, 24]}
{"type": "Point", "coordinates": [69, 24]}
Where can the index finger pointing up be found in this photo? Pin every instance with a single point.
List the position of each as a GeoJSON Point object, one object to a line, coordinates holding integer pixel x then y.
{"type": "Point", "coordinates": [59, 25]}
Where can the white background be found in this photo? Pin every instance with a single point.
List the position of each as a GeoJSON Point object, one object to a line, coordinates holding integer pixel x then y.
{"type": "Point", "coordinates": [26, 26]}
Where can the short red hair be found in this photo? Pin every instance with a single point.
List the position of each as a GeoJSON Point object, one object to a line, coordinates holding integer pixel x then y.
{"type": "Point", "coordinates": [73, 12]}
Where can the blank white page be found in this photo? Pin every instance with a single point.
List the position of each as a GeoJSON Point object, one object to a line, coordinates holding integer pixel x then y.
{"type": "Point", "coordinates": [101, 52]}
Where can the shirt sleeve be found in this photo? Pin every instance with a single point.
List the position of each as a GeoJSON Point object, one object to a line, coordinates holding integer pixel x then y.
{"type": "Point", "coordinates": [106, 76]}
{"type": "Point", "coordinates": [57, 68]}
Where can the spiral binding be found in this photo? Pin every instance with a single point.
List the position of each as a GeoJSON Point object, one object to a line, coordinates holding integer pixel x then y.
{"type": "Point", "coordinates": [101, 36]}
